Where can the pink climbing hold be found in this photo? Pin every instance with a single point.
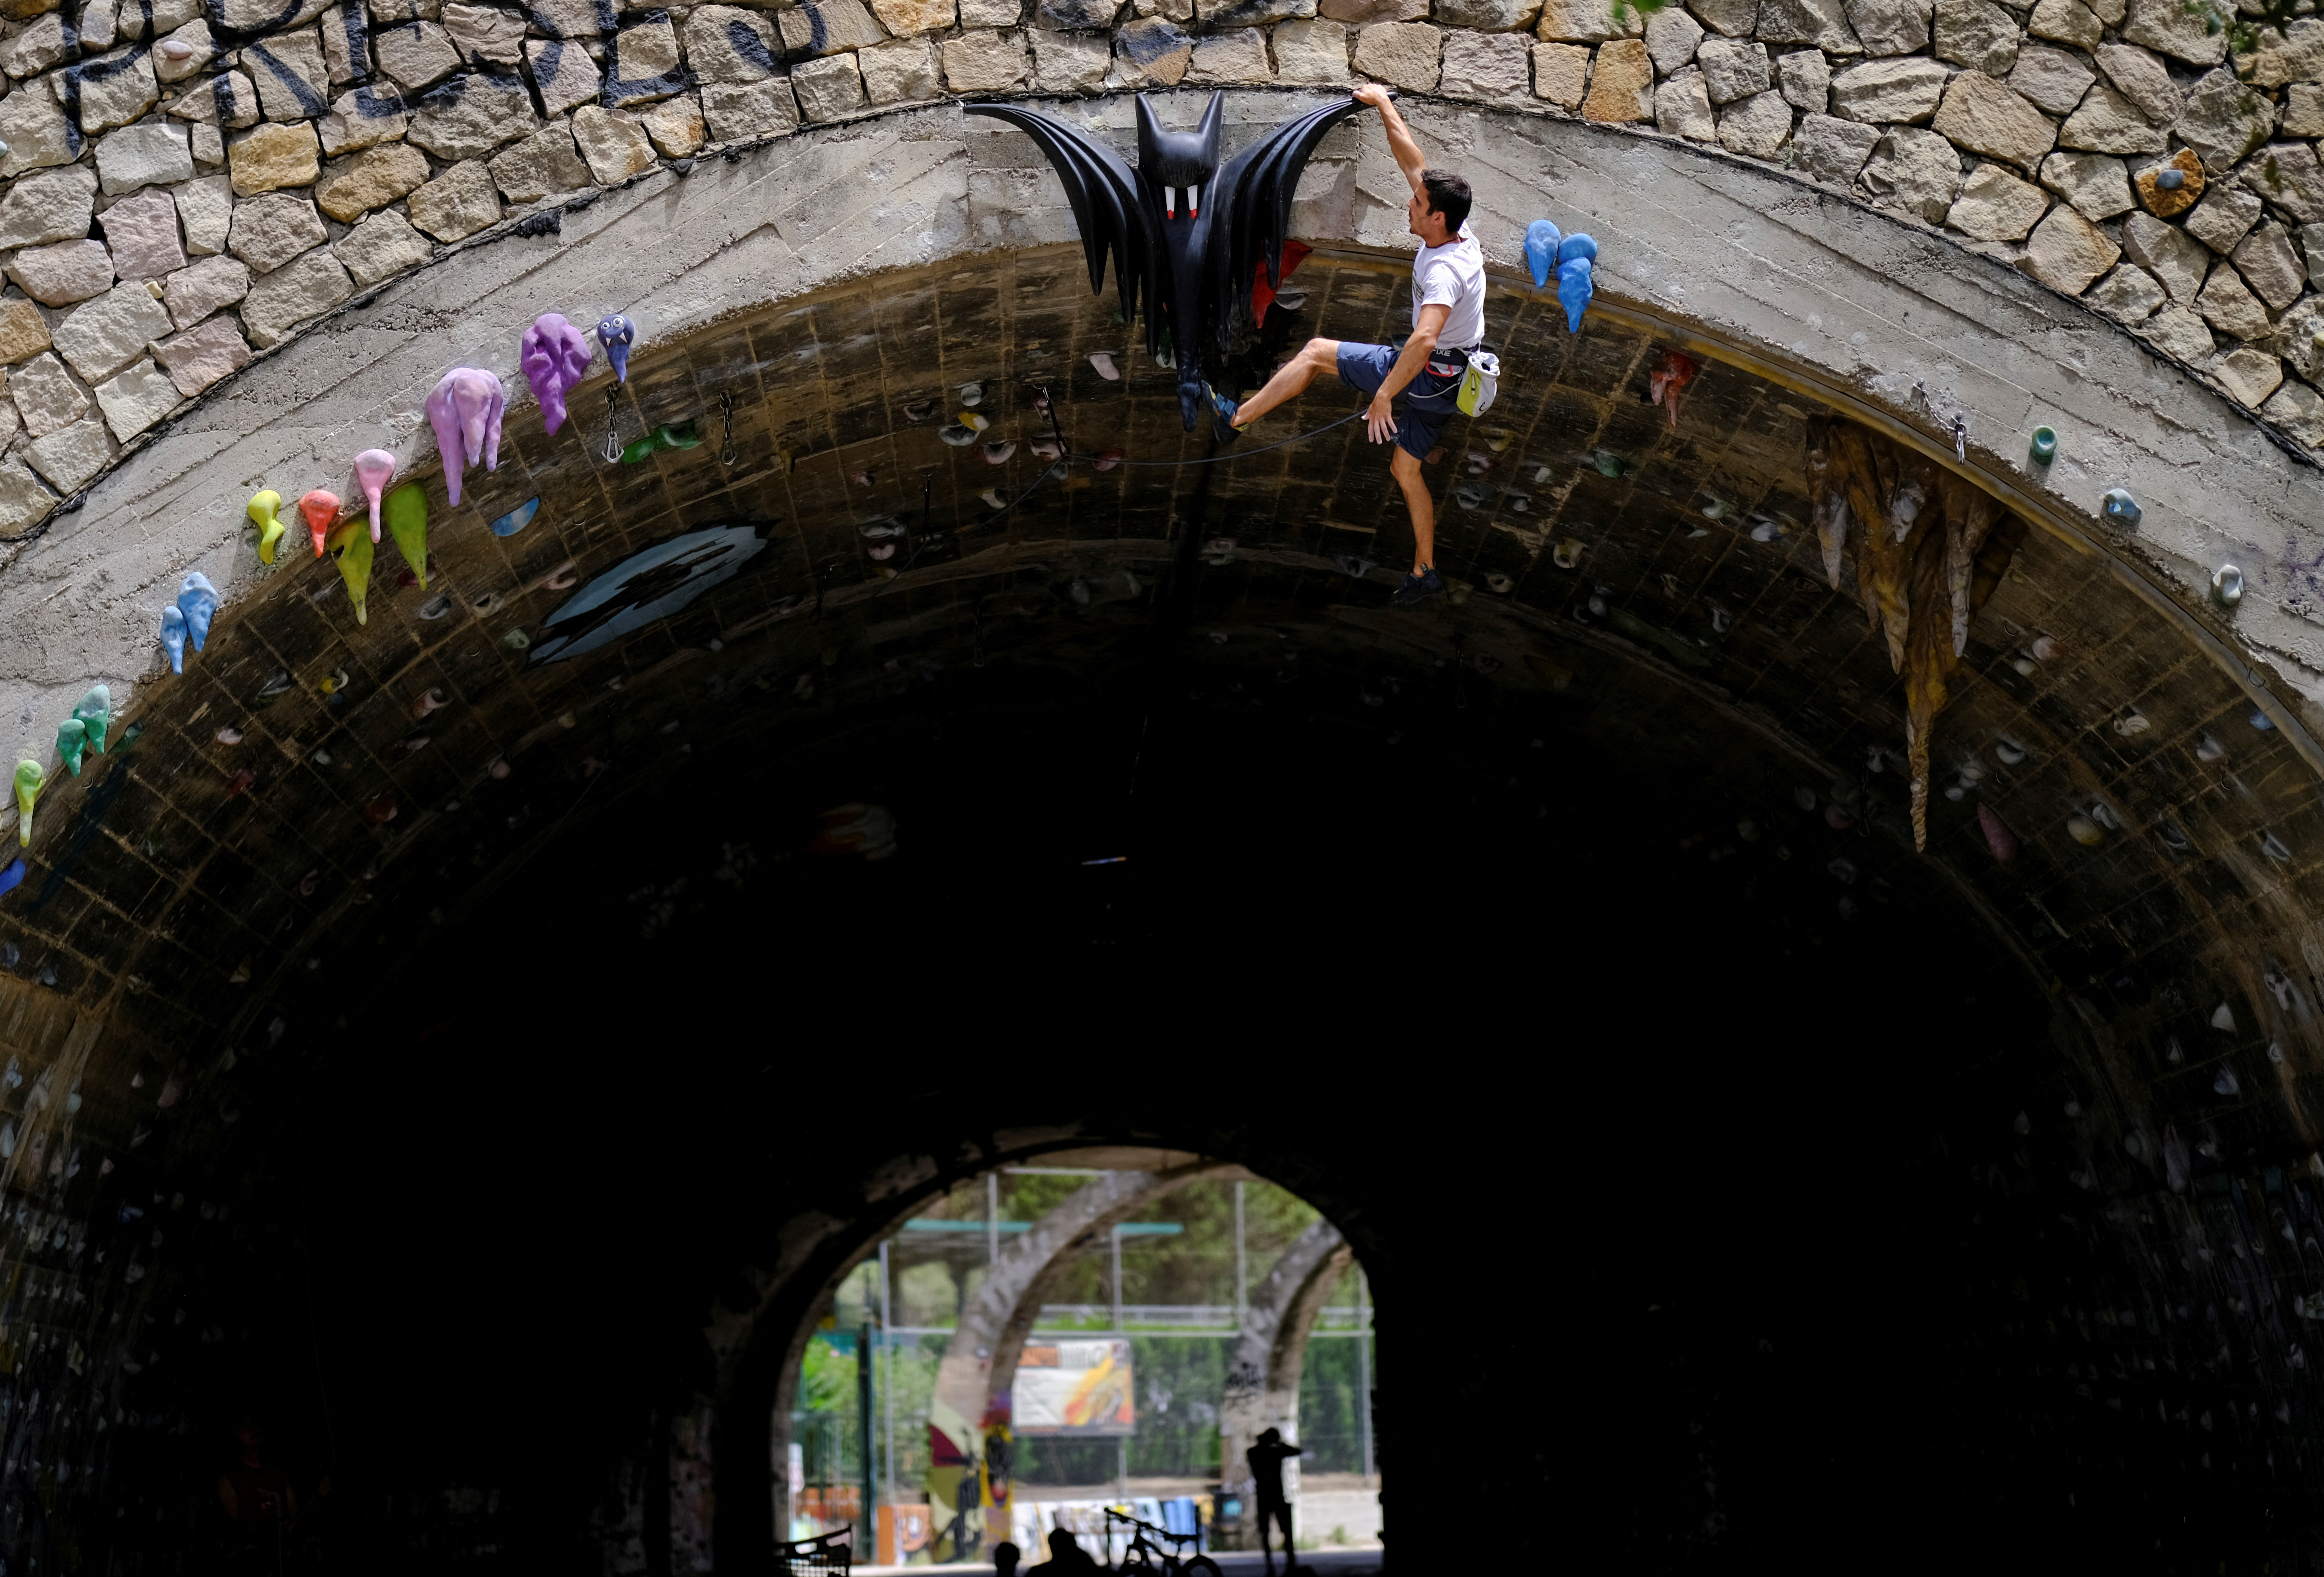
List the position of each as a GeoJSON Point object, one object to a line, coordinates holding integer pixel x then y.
{"type": "Point", "coordinates": [1998, 835]}
{"type": "Point", "coordinates": [556, 358]}
{"type": "Point", "coordinates": [464, 408]}
{"type": "Point", "coordinates": [374, 469]}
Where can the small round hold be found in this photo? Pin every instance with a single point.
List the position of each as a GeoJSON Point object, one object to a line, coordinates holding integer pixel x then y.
{"type": "Point", "coordinates": [1500, 583]}
{"type": "Point", "coordinates": [2120, 507]}
{"type": "Point", "coordinates": [177, 49]}
{"type": "Point", "coordinates": [2228, 585]}
{"type": "Point", "coordinates": [2045, 445]}
{"type": "Point", "coordinates": [2170, 179]}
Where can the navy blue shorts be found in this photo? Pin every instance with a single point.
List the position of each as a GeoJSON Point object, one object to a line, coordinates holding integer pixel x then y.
{"type": "Point", "coordinates": [1427, 402]}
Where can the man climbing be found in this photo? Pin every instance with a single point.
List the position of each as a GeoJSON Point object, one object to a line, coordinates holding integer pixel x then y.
{"type": "Point", "coordinates": [1267, 1456]}
{"type": "Point", "coordinates": [1412, 386]}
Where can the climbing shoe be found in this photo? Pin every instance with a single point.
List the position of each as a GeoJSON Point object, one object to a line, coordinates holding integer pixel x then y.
{"type": "Point", "coordinates": [1416, 587]}
{"type": "Point", "coordinates": [1223, 414]}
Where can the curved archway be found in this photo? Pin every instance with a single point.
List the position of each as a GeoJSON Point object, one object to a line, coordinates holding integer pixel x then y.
{"type": "Point", "coordinates": [1263, 1375]}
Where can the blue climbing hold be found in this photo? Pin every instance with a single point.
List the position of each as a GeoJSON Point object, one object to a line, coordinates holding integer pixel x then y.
{"type": "Point", "coordinates": [617, 334]}
{"type": "Point", "coordinates": [517, 519]}
{"type": "Point", "coordinates": [173, 637]}
{"type": "Point", "coordinates": [1573, 289]}
{"type": "Point", "coordinates": [14, 876]}
{"type": "Point", "coordinates": [1541, 251]}
{"type": "Point", "coordinates": [2120, 507]}
{"type": "Point", "coordinates": [1577, 246]}
{"type": "Point", "coordinates": [197, 600]}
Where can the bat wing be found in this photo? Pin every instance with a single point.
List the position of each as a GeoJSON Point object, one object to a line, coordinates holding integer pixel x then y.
{"type": "Point", "coordinates": [1251, 197]}
{"type": "Point", "coordinates": [1107, 205]}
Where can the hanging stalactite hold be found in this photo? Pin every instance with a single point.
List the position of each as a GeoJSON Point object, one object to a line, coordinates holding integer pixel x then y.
{"type": "Point", "coordinates": [1928, 549]}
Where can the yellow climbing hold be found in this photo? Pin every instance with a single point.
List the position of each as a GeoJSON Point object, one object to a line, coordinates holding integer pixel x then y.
{"type": "Point", "coordinates": [351, 544]}
{"type": "Point", "coordinates": [407, 523]}
{"type": "Point", "coordinates": [28, 791]}
{"type": "Point", "coordinates": [263, 512]}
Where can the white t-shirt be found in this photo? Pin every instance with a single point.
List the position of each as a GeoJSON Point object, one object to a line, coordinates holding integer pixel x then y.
{"type": "Point", "coordinates": [1452, 275]}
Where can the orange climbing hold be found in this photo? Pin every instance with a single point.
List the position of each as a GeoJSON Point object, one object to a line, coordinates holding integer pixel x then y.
{"type": "Point", "coordinates": [321, 508]}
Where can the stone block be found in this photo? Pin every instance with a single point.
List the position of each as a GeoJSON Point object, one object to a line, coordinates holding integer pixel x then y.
{"type": "Point", "coordinates": [196, 359]}
{"type": "Point", "coordinates": [1487, 15]}
{"type": "Point", "coordinates": [272, 157]}
{"type": "Point", "coordinates": [1682, 107]}
{"type": "Point", "coordinates": [1317, 51]}
{"type": "Point", "coordinates": [2107, 121]}
{"type": "Point", "coordinates": [726, 43]}
{"type": "Point", "coordinates": [738, 112]}
{"type": "Point", "coordinates": [142, 233]}
{"type": "Point", "coordinates": [2141, 77]}
{"type": "Point", "coordinates": [1915, 172]}
{"type": "Point", "coordinates": [2097, 185]}
{"type": "Point", "coordinates": [260, 16]}
{"type": "Point", "coordinates": [2224, 120]}
{"type": "Point", "coordinates": [363, 118]}
{"type": "Point", "coordinates": [1561, 74]}
{"type": "Point", "coordinates": [71, 458]}
{"type": "Point", "coordinates": [346, 42]}
{"type": "Point", "coordinates": [460, 202]}
{"type": "Point", "coordinates": [24, 332]}
{"type": "Point", "coordinates": [46, 396]}
{"type": "Point", "coordinates": [2303, 111]}
{"type": "Point", "coordinates": [2296, 335]}
{"type": "Point", "coordinates": [1830, 150]}
{"type": "Point", "coordinates": [50, 205]}
{"type": "Point", "coordinates": [205, 213]}
{"type": "Point", "coordinates": [485, 35]}
{"type": "Point", "coordinates": [270, 231]}
{"type": "Point", "coordinates": [2068, 252]}
{"type": "Point", "coordinates": [2295, 408]}
{"type": "Point", "coordinates": [1995, 206]}
{"type": "Point", "coordinates": [989, 62]}
{"type": "Point", "coordinates": [1890, 27]}
{"type": "Point", "coordinates": [151, 154]}
{"type": "Point", "coordinates": [2248, 376]}
{"type": "Point", "coordinates": [1820, 22]}
{"type": "Point", "coordinates": [41, 45]}
{"type": "Point", "coordinates": [2287, 175]}
{"type": "Point", "coordinates": [2168, 27]}
{"type": "Point", "coordinates": [2224, 218]}
{"type": "Point", "coordinates": [576, 19]}
{"type": "Point", "coordinates": [229, 99]}
{"type": "Point", "coordinates": [1977, 34]}
{"type": "Point", "coordinates": [2176, 331]}
{"type": "Point", "coordinates": [24, 502]}
{"type": "Point", "coordinates": [831, 86]}
{"type": "Point", "coordinates": [1984, 116]}
{"type": "Point", "coordinates": [1353, 12]}
{"type": "Point", "coordinates": [1406, 54]}
{"type": "Point", "coordinates": [2227, 305]}
{"type": "Point", "coordinates": [472, 115]}
{"type": "Point", "coordinates": [383, 244]}
{"type": "Point", "coordinates": [306, 288]}
{"type": "Point", "coordinates": [1491, 68]}
{"type": "Point", "coordinates": [1671, 38]}
{"type": "Point", "coordinates": [2051, 79]}
{"type": "Point", "coordinates": [33, 125]}
{"type": "Point", "coordinates": [200, 289]}
{"type": "Point", "coordinates": [1579, 21]}
{"type": "Point", "coordinates": [825, 27]}
{"type": "Point", "coordinates": [907, 18]}
{"type": "Point", "coordinates": [2165, 203]}
{"type": "Point", "coordinates": [611, 143]}
{"type": "Point", "coordinates": [2129, 294]}
{"type": "Point", "coordinates": [115, 89]}
{"type": "Point", "coordinates": [2168, 252]}
{"type": "Point", "coordinates": [1150, 51]}
{"type": "Point", "coordinates": [564, 74]}
{"type": "Point", "coordinates": [1732, 18]}
{"type": "Point", "coordinates": [1621, 84]}
{"type": "Point", "coordinates": [2270, 266]}
{"type": "Point", "coordinates": [1804, 79]}
{"type": "Point", "coordinates": [675, 127]}
{"type": "Point", "coordinates": [293, 82]}
{"type": "Point", "coordinates": [136, 398]}
{"type": "Point", "coordinates": [59, 275]}
{"type": "Point", "coordinates": [2069, 22]}
{"type": "Point", "coordinates": [1756, 127]}
{"type": "Point", "coordinates": [992, 12]}
{"type": "Point", "coordinates": [353, 187]}
{"type": "Point", "coordinates": [1889, 92]}
{"type": "Point", "coordinates": [1733, 69]}
{"type": "Point", "coordinates": [104, 335]}
{"type": "Point", "coordinates": [545, 164]}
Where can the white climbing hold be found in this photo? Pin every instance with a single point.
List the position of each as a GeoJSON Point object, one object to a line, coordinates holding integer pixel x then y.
{"type": "Point", "coordinates": [1103, 362]}
{"type": "Point", "coordinates": [2223, 1017]}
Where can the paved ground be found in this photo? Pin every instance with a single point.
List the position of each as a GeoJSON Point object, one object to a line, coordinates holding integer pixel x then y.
{"type": "Point", "coordinates": [1234, 1564]}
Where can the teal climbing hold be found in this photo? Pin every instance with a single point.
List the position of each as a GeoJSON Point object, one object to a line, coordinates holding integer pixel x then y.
{"type": "Point", "coordinates": [96, 713]}
{"type": "Point", "coordinates": [72, 738]}
{"type": "Point", "coordinates": [2044, 448]}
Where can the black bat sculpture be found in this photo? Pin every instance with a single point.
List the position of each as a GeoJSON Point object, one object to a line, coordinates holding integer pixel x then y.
{"type": "Point", "coordinates": [1187, 233]}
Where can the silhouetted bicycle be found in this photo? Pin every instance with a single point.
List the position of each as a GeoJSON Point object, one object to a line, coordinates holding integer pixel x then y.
{"type": "Point", "coordinates": [1145, 1555]}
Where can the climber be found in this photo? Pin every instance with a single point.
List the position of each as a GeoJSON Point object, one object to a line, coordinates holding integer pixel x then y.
{"type": "Point", "coordinates": [1412, 386]}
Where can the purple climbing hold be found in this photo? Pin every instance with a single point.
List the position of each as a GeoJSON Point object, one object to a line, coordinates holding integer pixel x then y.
{"type": "Point", "coordinates": [464, 408]}
{"type": "Point", "coordinates": [198, 600]}
{"type": "Point", "coordinates": [556, 358]}
{"type": "Point", "coordinates": [617, 334]}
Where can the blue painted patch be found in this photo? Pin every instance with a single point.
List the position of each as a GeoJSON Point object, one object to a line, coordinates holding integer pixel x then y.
{"type": "Point", "coordinates": [644, 587]}
{"type": "Point", "coordinates": [517, 519]}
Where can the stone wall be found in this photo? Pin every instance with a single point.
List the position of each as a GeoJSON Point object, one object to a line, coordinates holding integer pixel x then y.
{"type": "Point", "coordinates": [184, 185]}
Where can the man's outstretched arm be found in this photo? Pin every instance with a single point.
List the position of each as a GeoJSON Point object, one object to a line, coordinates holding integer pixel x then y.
{"type": "Point", "coordinates": [1407, 154]}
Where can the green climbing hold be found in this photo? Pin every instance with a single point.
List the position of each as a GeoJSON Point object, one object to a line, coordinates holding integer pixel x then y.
{"type": "Point", "coordinates": [2045, 445]}
{"type": "Point", "coordinates": [351, 543]}
{"type": "Point", "coordinates": [407, 523]}
{"type": "Point", "coordinates": [641, 450]}
{"type": "Point", "coordinates": [1606, 462]}
{"type": "Point", "coordinates": [29, 778]}
{"type": "Point", "coordinates": [95, 715]}
{"type": "Point", "coordinates": [516, 640]}
{"type": "Point", "coordinates": [72, 738]}
{"type": "Point", "coordinates": [132, 734]}
{"type": "Point", "coordinates": [678, 435]}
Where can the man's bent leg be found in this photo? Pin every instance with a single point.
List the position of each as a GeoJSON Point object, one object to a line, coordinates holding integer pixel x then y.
{"type": "Point", "coordinates": [1406, 468]}
{"type": "Point", "coordinates": [1291, 378]}
{"type": "Point", "coordinates": [1266, 1516]}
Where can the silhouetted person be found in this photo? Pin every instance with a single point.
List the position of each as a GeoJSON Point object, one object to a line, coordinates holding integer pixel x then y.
{"type": "Point", "coordinates": [1067, 1558]}
{"type": "Point", "coordinates": [258, 1501]}
{"type": "Point", "coordinates": [1004, 1559]}
{"type": "Point", "coordinates": [1266, 1456]}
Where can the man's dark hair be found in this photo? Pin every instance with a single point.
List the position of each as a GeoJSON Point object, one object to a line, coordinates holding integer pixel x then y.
{"type": "Point", "coordinates": [1448, 195]}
